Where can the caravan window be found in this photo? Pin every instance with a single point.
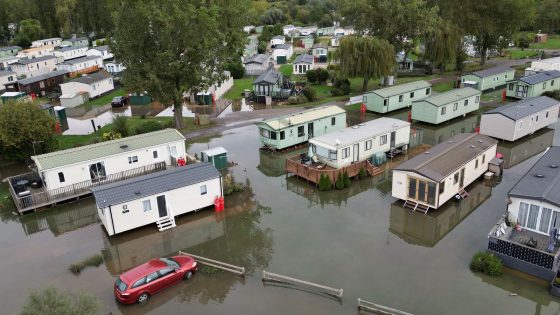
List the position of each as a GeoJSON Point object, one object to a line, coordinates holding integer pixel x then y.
{"type": "Point", "coordinates": [443, 110]}
{"type": "Point", "coordinates": [368, 144]}
{"type": "Point", "coordinates": [203, 190]}
{"type": "Point", "coordinates": [155, 154]}
{"type": "Point", "coordinates": [411, 94]}
{"type": "Point", "coordinates": [282, 135]}
{"type": "Point", "coordinates": [300, 131]}
{"type": "Point", "coordinates": [132, 159]}
{"type": "Point", "coordinates": [146, 205]}
{"type": "Point", "coordinates": [333, 121]}
{"type": "Point", "coordinates": [401, 97]}
{"type": "Point", "coordinates": [427, 91]}
{"type": "Point", "coordinates": [61, 177]}
{"type": "Point", "coordinates": [477, 99]}
{"type": "Point", "coordinates": [265, 133]}
{"type": "Point", "coordinates": [273, 135]}
{"type": "Point", "coordinates": [383, 140]}
{"type": "Point", "coordinates": [455, 106]}
{"type": "Point", "coordinates": [466, 102]}
{"type": "Point", "coordinates": [345, 152]}
{"type": "Point", "coordinates": [332, 155]}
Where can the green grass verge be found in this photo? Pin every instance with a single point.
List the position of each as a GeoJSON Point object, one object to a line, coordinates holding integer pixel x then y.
{"type": "Point", "coordinates": [443, 86]}
{"type": "Point", "coordinates": [521, 54]}
{"type": "Point", "coordinates": [106, 99]}
{"type": "Point", "coordinates": [322, 90]}
{"type": "Point", "coordinates": [239, 86]}
{"type": "Point", "coordinates": [553, 42]}
{"type": "Point", "coordinates": [287, 70]}
{"type": "Point", "coordinates": [72, 141]}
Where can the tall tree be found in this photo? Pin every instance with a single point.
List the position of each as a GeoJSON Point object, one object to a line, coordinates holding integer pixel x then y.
{"type": "Point", "coordinates": [29, 30]}
{"type": "Point", "coordinates": [491, 22]}
{"type": "Point", "coordinates": [66, 13]}
{"type": "Point", "coordinates": [548, 15]}
{"type": "Point", "coordinates": [170, 47]}
{"type": "Point", "coordinates": [441, 44]}
{"type": "Point", "coordinates": [23, 129]}
{"type": "Point", "coordinates": [366, 57]}
{"type": "Point", "coordinates": [398, 21]}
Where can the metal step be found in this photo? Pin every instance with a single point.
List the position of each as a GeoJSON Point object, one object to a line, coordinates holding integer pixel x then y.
{"type": "Point", "coordinates": [166, 223]}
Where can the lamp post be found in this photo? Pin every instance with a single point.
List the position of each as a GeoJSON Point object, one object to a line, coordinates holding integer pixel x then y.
{"type": "Point", "coordinates": [34, 142]}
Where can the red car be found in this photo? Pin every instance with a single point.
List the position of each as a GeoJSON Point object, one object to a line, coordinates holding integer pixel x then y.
{"type": "Point", "coordinates": [141, 282]}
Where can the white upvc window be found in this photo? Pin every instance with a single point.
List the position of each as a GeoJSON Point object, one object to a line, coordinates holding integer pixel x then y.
{"type": "Point", "coordinates": [383, 140]}
{"type": "Point", "coordinates": [368, 144]}
{"type": "Point", "coordinates": [203, 190]}
{"type": "Point", "coordinates": [345, 152]}
{"type": "Point", "coordinates": [146, 205]}
{"type": "Point", "coordinates": [132, 159]}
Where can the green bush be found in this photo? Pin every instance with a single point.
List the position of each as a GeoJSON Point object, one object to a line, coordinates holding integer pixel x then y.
{"type": "Point", "coordinates": [324, 182]}
{"type": "Point", "coordinates": [311, 76]}
{"type": "Point", "coordinates": [362, 172]}
{"type": "Point", "coordinates": [50, 301]}
{"type": "Point", "coordinates": [120, 125]}
{"type": "Point", "coordinates": [486, 263]}
{"type": "Point", "coordinates": [523, 42]}
{"type": "Point", "coordinates": [553, 94]}
{"type": "Point", "coordinates": [310, 93]}
{"type": "Point", "coordinates": [92, 261]}
{"type": "Point", "coordinates": [339, 184]}
{"type": "Point", "coordinates": [236, 69]}
{"type": "Point", "coordinates": [346, 179]}
{"type": "Point", "coordinates": [149, 126]}
{"type": "Point", "coordinates": [322, 75]}
{"type": "Point", "coordinates": [297, 99]}
{"type": "Point", "coordinates": [341, 87]}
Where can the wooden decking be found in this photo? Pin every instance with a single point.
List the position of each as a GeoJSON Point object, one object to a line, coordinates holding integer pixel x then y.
{"type": "Point", "coordinates": [313, 171]}
{"type": "Point", "coordinates": [35, 198]}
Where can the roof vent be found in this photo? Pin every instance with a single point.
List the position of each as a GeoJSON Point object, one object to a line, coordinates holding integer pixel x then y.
{"type": "Point", "coordinates": [362, 124]}
{"type": "Point", "coordinates": [539, 175]}
{"type": "Point", "coordinates": [450, 141]}
{"type": "Point", "coordinates": [354, 127]}
{"type": "Point", "coordinates": [427, 152]}
{"type": "Point", "coordinates": [479, 141]}
{"type": "Point", "coordinates": [124, 146]}
{"type": "Point", "coordinates": [553, 166]}
{"type": "Point", "coordinates": [472, 146]}
{"type": "Point", "coordinates": [137, 192]}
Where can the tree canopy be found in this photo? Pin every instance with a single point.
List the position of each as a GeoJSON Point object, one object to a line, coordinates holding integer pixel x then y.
{"type": "Point", "coordinates": [22, 125]}
{"type": "Point", "coordinates": [176, 46]}
{"type": "Point", "coordinates": [366, 57]}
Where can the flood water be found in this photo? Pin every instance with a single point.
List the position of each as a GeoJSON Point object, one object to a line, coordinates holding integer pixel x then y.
{"type": "Point", "coordinates": [82, 119]}
{"type": "Point", "coordinates": [359, 239]}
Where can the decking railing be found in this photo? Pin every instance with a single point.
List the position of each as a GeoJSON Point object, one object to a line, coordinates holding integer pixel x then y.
{"type": "Point", "coordinates": [49, 197]}
{"type": "Point", "coordinates": [313, 174]}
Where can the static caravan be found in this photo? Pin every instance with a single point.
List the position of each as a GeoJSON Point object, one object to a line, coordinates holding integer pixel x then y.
{"type": "Point", "coordinates": [446, 106]}
{"type": "Point", "coordinates": [286, 131]}
{"type": "Point", "coordinates": [303, 63]}
{"type": "Point", "coordinates": [157, 198]}
{"type": "Point", "coordinates": [543, 65]}
{"type": "Point", "coordinates": [443, 172]}
{"type": "Point", "coordinates": [516, 120]}
{"type": "Point", "coordinates": [533, 204]}
{"type": "Point", "coordinates": [396, 97]}
{"type": "Point", "coordinates": [359, 143]}
{"type": "Point", "coordinates": [534, 85]}
{"type": "Point", "coordinates": [257, 64]}
{"type": "Point", "coordinates": [488, 79]}
{"type": "Point", "coordinates": [98, 161]}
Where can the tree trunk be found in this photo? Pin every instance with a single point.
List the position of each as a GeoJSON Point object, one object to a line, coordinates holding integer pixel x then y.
{"type": "Point", "coordinates": [178, 113]}
{"type": "Point", "coordinates": [483, 53]}
{"type": "Point", "coordinates": [365, 85]}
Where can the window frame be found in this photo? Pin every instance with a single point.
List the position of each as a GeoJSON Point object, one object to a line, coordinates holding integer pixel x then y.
{"type": "Point", "coordinates": [443, 110]}
{"type": "Point", "coordinates": [133, 159]}
{"type": "Point", "coordinates": [368, 144]}
{"type": "Point", "coordinates": [383, 140]}
{"type": "Point", "coordinates": [203, 189]}
{"type": "Point", "coordinates": [148, 280]}
{"type": "Point", "coordinates": [147, 202]}
{"type": "Point", "coordinates": [61, 177]}
{"type": "Point", "coordinates": [301, 131]}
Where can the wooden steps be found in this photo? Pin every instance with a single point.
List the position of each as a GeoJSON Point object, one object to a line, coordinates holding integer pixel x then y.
{"type": "Point", "coordinates": [462, 193]}
{"type": "Point", "coordinates": [415, 206]}
{"type": "Point", "coordinates": [394, 152]}
{"type": "Point", "coordinates": [373, 170]}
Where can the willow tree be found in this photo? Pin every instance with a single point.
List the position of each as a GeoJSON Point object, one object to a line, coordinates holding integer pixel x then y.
{"type": "Point", "coordinates": [441, 44]}
{"type": "Point", "coordinates": [366, 57]}
{"type": "Point", "coordinates": [175, 46]}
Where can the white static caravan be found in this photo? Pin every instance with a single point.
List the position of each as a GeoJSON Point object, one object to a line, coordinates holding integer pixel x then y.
{"type": "Point", "coordinates": [516, 120]}
{"type": "Point", "coordinates": [358, 143]}
{"type": "Point", "coordinates": [157, 198]}
{"type": "Point", "coordinates": [444, 171]}
{"type": "Point", "coordinates": [96, 161]}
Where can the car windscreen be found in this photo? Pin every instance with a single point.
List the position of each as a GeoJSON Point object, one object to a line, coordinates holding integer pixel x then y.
{"type": "Point", "coordinates": [121, 285]}
{"type": "Point", "coordinates": [170, 262]}
{"type": "Point", "coordinates": [117, 99]}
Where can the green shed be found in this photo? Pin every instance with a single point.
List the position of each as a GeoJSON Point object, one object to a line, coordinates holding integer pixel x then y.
{"type": "Point", "coordinates": [140, 99]}
{"type": "Point", "coordinates": [216, 156]}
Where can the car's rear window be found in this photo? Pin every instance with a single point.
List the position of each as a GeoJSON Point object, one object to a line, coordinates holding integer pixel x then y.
{"type": "Point", "coordinates": [121, 285]}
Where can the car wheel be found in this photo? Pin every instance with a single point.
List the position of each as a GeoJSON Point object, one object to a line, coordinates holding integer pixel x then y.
{"type": "Point", "coordinates": [143, 297]}
{"type": "Point", "coordinates": [187, 275]}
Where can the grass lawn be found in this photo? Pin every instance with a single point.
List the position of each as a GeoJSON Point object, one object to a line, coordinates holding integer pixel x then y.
{"type": "Point", "coordinates": [494, 96]}
{"type": "Point", "coordinates": [71, 141]}
{"type": "Point", "coordinates": [239, 86]}
{"type": "Point", "coordinates": [287, 70]}
{"type": "Point", "coordinates": [521, 54]}
{"type": "Point", "coordinates": [553, 42]}
{"type": "Point", "coordinates": [322, 91]}
{"type": "Point", "coordinates": [106, 99]}
{"type": "Point", "coordinates": [443, 86]}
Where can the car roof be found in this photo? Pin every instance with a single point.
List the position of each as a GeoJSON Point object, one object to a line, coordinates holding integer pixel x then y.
{"type": "Point", "coordinates": [142, 270]}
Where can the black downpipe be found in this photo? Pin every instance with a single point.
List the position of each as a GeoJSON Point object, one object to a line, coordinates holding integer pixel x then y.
{"type": "Point", "coordinates": [112, 222]}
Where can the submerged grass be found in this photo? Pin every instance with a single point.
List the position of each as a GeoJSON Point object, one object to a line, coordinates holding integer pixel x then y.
{"type": "Point", "coordinates": [92, 261]}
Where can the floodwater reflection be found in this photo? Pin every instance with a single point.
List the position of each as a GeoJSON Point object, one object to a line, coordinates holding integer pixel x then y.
{"type": "Point", "coordinates": [428, 229]}
{"type": "Point", "coordinates": [526, 147]}
{"type": "Point", "coordinates": [60, 220]}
